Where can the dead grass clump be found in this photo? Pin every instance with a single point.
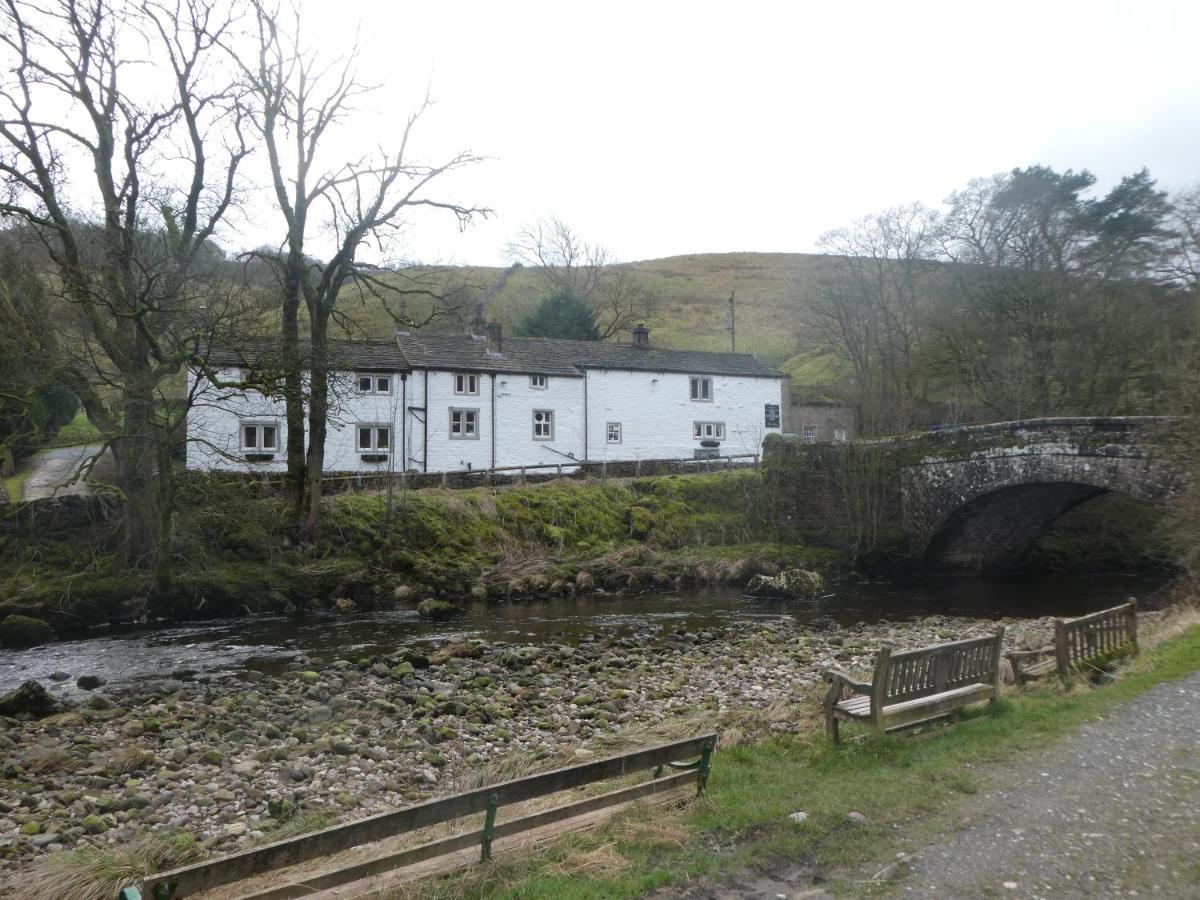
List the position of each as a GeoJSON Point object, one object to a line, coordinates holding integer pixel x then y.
{"type": "Point", "coordinates": [128, 760]}
{"type": "Point", "coordinates": [1174, 621]}
{"type": "Point", "coordinates": [602, 862]}
{"type": "Point", "coordinates": [99, 873]}
{"type": "Point", "coordinates": [42, 760]}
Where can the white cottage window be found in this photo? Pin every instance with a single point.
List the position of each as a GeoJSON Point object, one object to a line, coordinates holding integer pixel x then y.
{"type": "Point", "coordinates": [374, 383]}
{"type": "Point", "coordinates": [839, 435]}
{"type": "Point", "coordinates": [701, 388]}
{"type": "Point", "coordinates": [538, 382]}
{"type": "Point", "coordinates": [374, 438]}
{"type": "Point", "coordinates": [466, 384]}
{"type": "Point", "coordinates": [259, 437]}
{"type": "Point", "coordinates": [464, 424]}
{"type": "Point", "coordinates": [708, 431]}
{"type": "Point", "coordinates": [543, 425]}
{"type": "Point", "coordinates": [614, 432]}
{"type": "Point", "coordinates": [808, 434]}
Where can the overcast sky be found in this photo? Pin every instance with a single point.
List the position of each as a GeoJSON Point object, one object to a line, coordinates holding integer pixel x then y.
{"type": "Point", "coordinates": [660, 128]}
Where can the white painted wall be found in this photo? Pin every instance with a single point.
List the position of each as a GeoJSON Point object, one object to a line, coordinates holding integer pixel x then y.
{"type": "Point", "coordinates": [656, 413]}
{"type": "Point", "coordinates": [654, 409]}
{"type": "Point", "coordinates": [215, 421]}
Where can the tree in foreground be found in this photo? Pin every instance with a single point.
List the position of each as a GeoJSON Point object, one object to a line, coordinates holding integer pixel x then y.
{"type": "Point", "coordinates": [300, 101]}
{"type": "Point", "coordinates": [120, 145]}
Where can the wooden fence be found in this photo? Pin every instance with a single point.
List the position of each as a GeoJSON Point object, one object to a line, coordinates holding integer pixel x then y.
{"type": "Point", "coordinates": [188, 880]}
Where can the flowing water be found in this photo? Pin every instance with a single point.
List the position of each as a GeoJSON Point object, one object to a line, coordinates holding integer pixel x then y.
{"type": "Point", "coordinates": [269, 643]}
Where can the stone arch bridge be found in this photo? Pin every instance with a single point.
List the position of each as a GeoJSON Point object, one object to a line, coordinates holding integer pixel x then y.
{"type": "Point", "coordinates": [972, 498]}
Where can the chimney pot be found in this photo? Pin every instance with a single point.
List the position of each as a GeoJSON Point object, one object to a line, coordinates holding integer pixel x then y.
{"type": "Point", "coordinates": [641, 336]}
{"type": "Point", "coordinates": [476, 329]}
{"type": "Point", "coordinates": [495, 338]}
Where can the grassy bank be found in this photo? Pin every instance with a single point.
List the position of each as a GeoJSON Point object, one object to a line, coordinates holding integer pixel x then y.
{"type": "Point", "coordinates": [235, 553]}
{"type": "Point", "coordinates": [908, 790]}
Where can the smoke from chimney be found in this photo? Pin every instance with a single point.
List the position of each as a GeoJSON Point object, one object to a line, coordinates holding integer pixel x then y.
{"type": "Point", "coordinates": [477, 327]}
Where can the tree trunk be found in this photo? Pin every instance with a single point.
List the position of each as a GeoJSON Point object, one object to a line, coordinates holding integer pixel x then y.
{"type": "Point", "coordinates": [318, 411]}
{"type": "Point", "coordinates": [294, 392]}
{"type": "Point", "coordinates": [135, 451]}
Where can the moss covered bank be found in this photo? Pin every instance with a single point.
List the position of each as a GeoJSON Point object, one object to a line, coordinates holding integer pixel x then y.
{"type": "Point", "coordinates": [236, 553]}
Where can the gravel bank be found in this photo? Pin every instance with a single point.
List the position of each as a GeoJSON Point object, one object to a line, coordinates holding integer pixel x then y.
{"type": "Point", "coordinates": [229, 760]}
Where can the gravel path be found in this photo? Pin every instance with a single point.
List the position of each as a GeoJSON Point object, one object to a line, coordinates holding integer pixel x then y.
{"type": "Point", "coordinates": [54, 469]}
{"type": "Point", "coordinates": [1114, 812]}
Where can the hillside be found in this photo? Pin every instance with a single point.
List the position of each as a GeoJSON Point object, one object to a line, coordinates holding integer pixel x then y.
{"type": "Point", "coordinates": [692, 294]}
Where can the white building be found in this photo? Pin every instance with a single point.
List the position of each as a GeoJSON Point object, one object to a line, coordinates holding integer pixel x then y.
{"type": "Point", "coordinates": [446, 403]}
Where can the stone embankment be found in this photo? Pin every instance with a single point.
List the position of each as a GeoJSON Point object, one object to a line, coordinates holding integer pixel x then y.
{"type": "Point", "coordinates": [230, 759]}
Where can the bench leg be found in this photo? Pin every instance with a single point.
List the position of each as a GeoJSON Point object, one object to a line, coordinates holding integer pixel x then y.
{"type": "Point", "coordinates": [831, 726]}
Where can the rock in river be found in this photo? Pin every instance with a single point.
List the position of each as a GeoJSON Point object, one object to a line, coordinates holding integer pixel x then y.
{"type": "Point", "coordinates": [30, 698]}
{"type": "Point", "coordinates": [793, 584]}
{"type": "Point", "coordinates": [24, 631]}
{"type": "Point", "coordinates": [437, 610]}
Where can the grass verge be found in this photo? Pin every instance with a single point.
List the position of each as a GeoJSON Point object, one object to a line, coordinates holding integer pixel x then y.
{"type": "Point", "coordinates": [907, 789]}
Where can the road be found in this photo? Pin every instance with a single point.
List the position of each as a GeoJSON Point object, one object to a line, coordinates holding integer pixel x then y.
{"type": "Point", "coordinates": [52, 472]}
{"type": "Point", "coordinates": [1114, 812]}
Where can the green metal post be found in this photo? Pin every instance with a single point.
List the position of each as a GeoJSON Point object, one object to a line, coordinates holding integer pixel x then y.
{"type": "Point", "coordinates": [164, 890]}
{"type": "Point", "coordinates": [130, 893]}
{"type": "Point", "coordinates": [489, 826]}
{"type": "Point", "coordinates": [705, 761]}
{"type": "Point", "coordinates": [658, 770]}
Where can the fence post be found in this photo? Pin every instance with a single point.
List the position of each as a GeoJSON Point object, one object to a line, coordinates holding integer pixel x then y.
{"type": "Point", "coordinates": [558, 470]}
{"type": "Point", "coordinates": [489, 827]}
{"type": "Point", "coordinates": [443, 480]}
{"type": "Point", "coordinates": [705, 765]}
{"type": "Point", "coordinates": [604, 471]}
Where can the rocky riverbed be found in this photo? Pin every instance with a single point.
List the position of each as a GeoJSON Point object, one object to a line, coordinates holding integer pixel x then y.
{"type": "Point", "coordinates": [230, 759]}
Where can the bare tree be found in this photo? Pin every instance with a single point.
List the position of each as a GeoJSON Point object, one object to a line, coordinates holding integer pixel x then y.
{"type": "Point", "coordinates": [568, 264]}
{"type": "Point", "coordinates": [125, 192]}
{"type": "Point", "coordinates": [871, 306]}
{"type": "Point", "coordinates": [356, 203]}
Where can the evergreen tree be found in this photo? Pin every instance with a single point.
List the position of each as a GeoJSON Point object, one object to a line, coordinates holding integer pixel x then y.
{"type": "Point", "coordinates": [561, 315]}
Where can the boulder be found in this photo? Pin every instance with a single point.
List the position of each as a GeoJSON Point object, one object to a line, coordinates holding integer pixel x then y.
{"type": "Point", "coordinates": [437, 610]}
{"type": "Point", "coordinates": [89, 682]}
{"type": "Point", "coordinates": [31, 699]}
{"type": "Point", "coordinates": [791, 584]}
{"type": "Point", "coordinates": [24, 631]}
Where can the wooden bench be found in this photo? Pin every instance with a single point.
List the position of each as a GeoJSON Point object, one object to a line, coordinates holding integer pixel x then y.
{"type": "Point", "coordinates": [1083, 642]}
{"type": "Point", "coordinates": [916, 686]}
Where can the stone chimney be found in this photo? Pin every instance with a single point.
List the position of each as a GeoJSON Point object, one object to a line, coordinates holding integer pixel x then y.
{"type": "Point", "coordinates": [476, 328]}
{"type": "Point", "coordinates": [641, 337]}
{"type": "Point", "coordinates": [495, 339]}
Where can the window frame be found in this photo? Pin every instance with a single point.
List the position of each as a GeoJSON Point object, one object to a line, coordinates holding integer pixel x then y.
{"type": "Point", "coordinates": [533, 382]}
{"type": "Point", "coordinates": [375, 378]}
{"type": "Point", "coordinates": [375, 429]}
{"type": "Point", "coordinates": [694, 395]}
{"type": "Point", "coordinates": [718, 429]}
{"type": "Point", "coordinates": [467, 379]}
{"type": "Point", "coordinates": [534, 422]}
{"type": "Point", "coordinates": [841, 435]}
{"type": "Point", "coordinates": [258, 425]}
{"type": "Point", "coordinates": [808, 434]}
{"type": "Point", "coordinates": [608, 433]}
{"type": "Point", "coordinates": [463, 436]}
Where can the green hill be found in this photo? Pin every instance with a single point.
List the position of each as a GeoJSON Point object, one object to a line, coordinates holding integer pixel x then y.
{"type": "Point", "coordinates": [692, 295]}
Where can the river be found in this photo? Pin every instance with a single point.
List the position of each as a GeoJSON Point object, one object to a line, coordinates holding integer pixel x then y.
{"type": "Point", "coordinates": [209, 648]}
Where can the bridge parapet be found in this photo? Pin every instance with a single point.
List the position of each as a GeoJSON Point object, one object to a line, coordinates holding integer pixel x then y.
{"type": "Point", "coordinates": [975, 496]}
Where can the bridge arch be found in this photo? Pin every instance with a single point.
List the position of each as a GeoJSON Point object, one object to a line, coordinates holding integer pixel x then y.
{"type": "Point", "coordinates": [986, 509]}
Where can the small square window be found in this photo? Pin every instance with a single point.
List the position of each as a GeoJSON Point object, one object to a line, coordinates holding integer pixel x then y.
{"type": "Point", "coordinates": [708, 431]}
{"type": "Point", "coordinates": [701, 388]}
{"type": "Point", "coordinates": [260, 437]}
{"type": "Point", "coordinates": [370, 383]}
{"type": "Point", "coordinates": [538, 382]}
{"type": "Point", "coordinates": [543, 425]}
{"type": "Point", "coordinates": [839, 435]}
{"type": "Point", "coordinates": [466, 384]}
{"type": "Point", "coordinates": [464, 424]}
{"type": "Point", "coordinates": [614, 432]}
{"type": "Point", "coordinates": [808, 434]}
{"type": "Point", "coordinates": [374, 438]}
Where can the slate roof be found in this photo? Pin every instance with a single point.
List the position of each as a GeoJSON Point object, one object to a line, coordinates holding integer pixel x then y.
{"type": "Point", "coordinates": [549, 356]}
{"type": "Point", "coordinates": [366, 354]}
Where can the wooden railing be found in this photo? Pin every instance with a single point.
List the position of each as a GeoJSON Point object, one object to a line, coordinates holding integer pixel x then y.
{"type": "Point", "coordinates": [191, 879]}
